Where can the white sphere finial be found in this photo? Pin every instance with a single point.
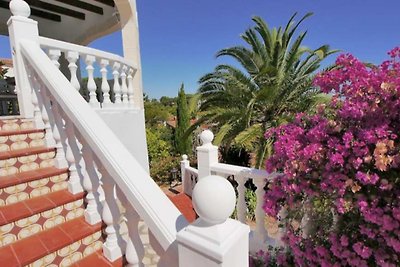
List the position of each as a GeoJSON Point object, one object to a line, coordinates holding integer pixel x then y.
{"type": "Point", "coordinates": [214, 199]}
{"type": "Point", "coordinates": [206, 137]}
{"type": "Point", "coordinates": [184, 157]}
{"type": "Point", "coordinates": [20, 8]}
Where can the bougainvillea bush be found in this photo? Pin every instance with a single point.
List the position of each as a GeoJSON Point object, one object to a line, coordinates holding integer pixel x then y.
{"type": "Point", "coordinates": [339, 195]}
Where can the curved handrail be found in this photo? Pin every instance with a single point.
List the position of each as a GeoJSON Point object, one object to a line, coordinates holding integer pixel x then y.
{"type": "Point", "coordinates": [64, 47]}
{"type": "Point", "coordinates": [242, 171]}
{"type": "Point", "coordinates": [153, 206]}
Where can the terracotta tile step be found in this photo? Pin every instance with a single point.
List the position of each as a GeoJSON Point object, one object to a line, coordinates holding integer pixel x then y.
{"type": "Point", "coordinates": [98, 260]}
{"type": "Point", "coordinates": [30, 249]}
{"type": "Point", "coordinates": [29, 207]}
{"type": "Point", "coordinates": [18, 132]}
{"type": "Point", "coordinates": [25, 152]}
{"type": "Point", "coordinates": [184, 204]}
{"type": "Point", "coordinates": [29, 176]}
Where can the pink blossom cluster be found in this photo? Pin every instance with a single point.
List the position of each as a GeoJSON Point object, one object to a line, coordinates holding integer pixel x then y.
{"type": "Point", "coordinates": [340, 168]}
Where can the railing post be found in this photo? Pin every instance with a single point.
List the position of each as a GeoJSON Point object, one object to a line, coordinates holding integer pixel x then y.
{"type": "Point", "coordinates": [20, 27]}
{"type": "Point", "coordinates": [186, 186]}
{"type": "Point", "coordinates": [214, 239]}
{"type": "Point", "coordinates": [207, 154]}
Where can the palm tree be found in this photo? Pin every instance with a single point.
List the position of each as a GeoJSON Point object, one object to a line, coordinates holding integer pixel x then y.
{"type": "Point", "coordinates": [272, 82]}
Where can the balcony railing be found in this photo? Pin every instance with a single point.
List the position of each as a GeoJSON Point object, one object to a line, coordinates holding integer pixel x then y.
{"type": "Point", "coordinates": [266, 231]}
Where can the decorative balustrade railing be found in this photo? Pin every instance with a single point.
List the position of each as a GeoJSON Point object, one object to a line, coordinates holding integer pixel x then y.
{"type": "Point", "coordinates": [208, 158]}
{"type": "Point", "coordinates": [120, 192]}
{"type": "Point", "coordinates": [118, 189]}
{"type": "Point", "coordinates": [119, 94]}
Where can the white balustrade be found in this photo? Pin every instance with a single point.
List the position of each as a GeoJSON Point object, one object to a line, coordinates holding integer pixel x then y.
{"type": "Point", "coordinates": [241, 206]}
{"type": "Point", "coordinates": [134, 250]}
{"type": "Point", "coordinates": [40, 120]}
{"type": "Point", "coordinates": [54, 55]}
{"type": "Point", "coordinates": [261, 233]}
{"type": "Point", "coordinates": [213, 239]}
{"type": "Point", "coordinates": [207, 156]}
{"type": "Point", "coordinates": [105, 87]}
{"type": "Point", "coordinates": [124, 86]}
{"type": "Point", "coordinates": [131, 89]}
{"type": "Point", "coordinates": [48, 137]}
{"type": "Point", "coordinates": [92, 211]}
{"type": "Point", "coordinates": [74, 182]}
{"type": "Point", "coordinates": [116, 87]}
{"type": "Point", "coordinates": [91, 85]}
{"type": "Point", "coordinates": [111, 217]}
{"type": "Point", "coordinates": [72, 57]}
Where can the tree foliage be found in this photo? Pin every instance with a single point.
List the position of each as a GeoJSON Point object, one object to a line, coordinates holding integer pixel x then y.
{"type": "Point", "coordinates": [182, 141]}
{"type": "Point", "coordinates": [272, 82]}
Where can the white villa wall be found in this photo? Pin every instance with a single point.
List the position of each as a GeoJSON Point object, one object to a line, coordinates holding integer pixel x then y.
{"type": "Point", "coordinates": [129, 126]}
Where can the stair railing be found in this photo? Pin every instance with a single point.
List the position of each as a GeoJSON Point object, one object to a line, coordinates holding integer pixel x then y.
{"type": "Point", "coordinates": [207, 161]}
{"type": "Point", "coordinates": [119, 190]}
{"type": "Point", "coordinates": [120, 193]}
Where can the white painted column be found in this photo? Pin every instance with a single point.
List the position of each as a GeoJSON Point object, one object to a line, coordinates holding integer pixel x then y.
{"type": "Point", "coordinates": [207, 154]}
{"type": "Point", "coordinates": [214, 239]}
{"type": "Point", "coordinates": [21, 27]}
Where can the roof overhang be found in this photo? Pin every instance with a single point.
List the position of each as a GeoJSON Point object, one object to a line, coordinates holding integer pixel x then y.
{"type": "Point", "coordinates": [75, 21]}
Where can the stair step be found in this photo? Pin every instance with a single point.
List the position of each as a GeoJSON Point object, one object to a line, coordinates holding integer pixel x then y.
{"type": "Point", "coordinates": [30, 249]}
{"type": "Point", "coordinates": [184, 204]}
{"type": "Point", "coordinates": [13, 212]}
{"type": "Point", "coordinates": [24, 152]}
{"type": "Point", "coordinates": [29, 176]}
{"type": "Point", "coordinates": [21, 131]}
{"type": "Point", "coordinates": [16, 124]}
{"type": "Point", "coordinates": [98, 260]}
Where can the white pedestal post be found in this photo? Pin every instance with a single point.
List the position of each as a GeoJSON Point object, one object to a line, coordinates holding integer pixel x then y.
{"type": "Point", "coordinates": [213, 239]}
{"type": "Point", "coordinates": [20, 26]}
{"type": "Point", "coordinates": [207, 154]}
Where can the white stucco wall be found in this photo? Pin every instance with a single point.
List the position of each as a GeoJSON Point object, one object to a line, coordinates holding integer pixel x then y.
{"type": "Point", "coordinates": [129, 126]}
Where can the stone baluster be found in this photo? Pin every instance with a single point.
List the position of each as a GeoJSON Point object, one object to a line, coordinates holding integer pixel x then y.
{"type": "Point", "coordinates": [54, 55]}
{"type": "Point", "coordinates": [58, 133]}
{"type": "Point", "coordinates": [241, 201]}
{"type": "Point", "coordinates": [261, 233]}
{"type": "Point", "coordinates": [72, 58]}
{"type": "Point", "coordinates": [48, 138]}
{"type": "Point", "coordinates": [112, 247]}
{"type": "Point", "coordinates": [222, 241]}
{"type": "Point", "coordinates": [74, 182]}
{"type": "Point", "coordinates": [186, 181]}
{"type": "Point", "coordinates": [131, 90]}
{"type": "Point", "coordinates": [91, 85]}
{"type": "Point", "coordinates": [134, 251]}
{"type": "Point", "coordinates": [91, 183]}
{"type": "Point", "coordinates": [55, 119]}
{"type": "Point", "coordinates": [37, 115]}
{"type": "Point", "coordinates": [105, 87]}
{"type": "Point", "coordinates": [117, 87]}
{"type": "Point", "coordinates": [124, 87]}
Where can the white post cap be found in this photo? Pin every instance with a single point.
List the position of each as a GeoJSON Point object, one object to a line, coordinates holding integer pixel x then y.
{"type": "Point", "coordinates": [20, 8]}
{"type": "Point", "coordinates": [214, 199]}
{"type": "Point", "coordinates": [206, 137]}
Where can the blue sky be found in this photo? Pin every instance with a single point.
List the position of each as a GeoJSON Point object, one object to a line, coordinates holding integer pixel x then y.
{"type": "Point", "coordinates": [179, 38]}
